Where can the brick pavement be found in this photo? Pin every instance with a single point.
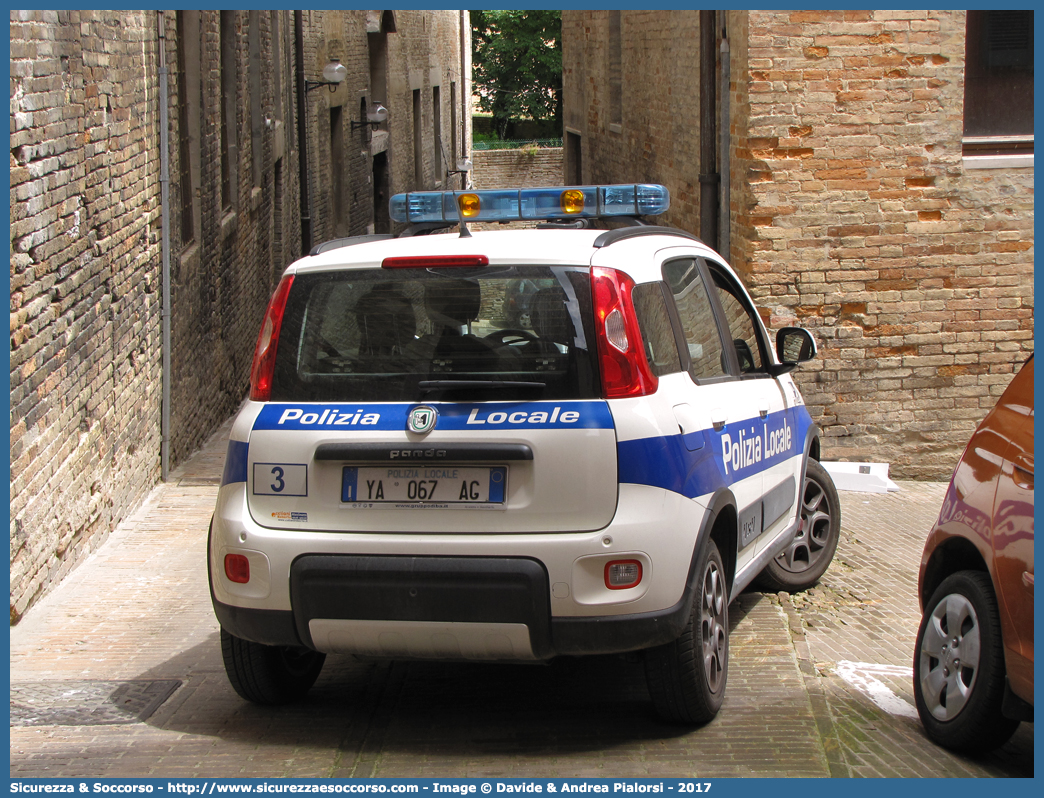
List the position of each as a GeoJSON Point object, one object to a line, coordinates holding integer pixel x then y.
{"type": "Point", "coordinates": [865, 610]}
{"type": "Point", "coordinates": [138, 614]}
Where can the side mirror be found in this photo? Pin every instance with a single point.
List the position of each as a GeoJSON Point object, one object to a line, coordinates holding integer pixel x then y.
{"type": "Point", "coordinates": [794, 345]}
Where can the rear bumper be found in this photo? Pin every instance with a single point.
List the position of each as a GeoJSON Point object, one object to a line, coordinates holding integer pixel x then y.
{"type": "Point", "coordinates": [506, 597]}
{"type": "Point", "coordinates": [655, 527]}
{"type": "Point", "coordinates": [469, 608]}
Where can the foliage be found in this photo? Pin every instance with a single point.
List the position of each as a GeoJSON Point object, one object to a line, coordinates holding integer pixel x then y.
{"type": "Point", "coordinates": [484, 137]}
{"type": "Point", "coordinates": [517, 65]}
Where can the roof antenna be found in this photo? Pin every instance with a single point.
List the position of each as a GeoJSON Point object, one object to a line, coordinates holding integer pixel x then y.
{"type": "Point", "coordinates": [464, 231]}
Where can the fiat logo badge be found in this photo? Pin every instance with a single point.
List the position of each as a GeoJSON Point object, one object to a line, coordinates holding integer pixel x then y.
{"type": "Point", "coordinates": [422, 419]}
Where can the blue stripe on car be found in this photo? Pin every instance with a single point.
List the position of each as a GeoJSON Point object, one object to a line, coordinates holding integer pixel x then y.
{"type": "Point", "coordinates": [666, 462]}
{"type": "Point", "coordinates": [454, 417]}
{"type": "Point", "coordinates": [235, 463]}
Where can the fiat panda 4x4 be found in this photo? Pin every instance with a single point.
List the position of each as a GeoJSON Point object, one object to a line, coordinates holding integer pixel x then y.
{"type": "Point", "coordinates": [514, 445]}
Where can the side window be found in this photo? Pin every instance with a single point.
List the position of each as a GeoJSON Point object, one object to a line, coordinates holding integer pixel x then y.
{"type": "Point", "coordinates": [697, 319]}
{"type": "Point", "coordinates": [742, 326]}
{"type": "Point", "coordinates": [661, 349]}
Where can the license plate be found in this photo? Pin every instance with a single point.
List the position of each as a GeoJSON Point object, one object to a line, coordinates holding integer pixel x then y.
{"type": "Point", "coordinates": [428, 486]}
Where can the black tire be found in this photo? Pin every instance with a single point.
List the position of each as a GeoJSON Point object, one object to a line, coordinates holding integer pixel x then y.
{"type": "Point", "coordinates": [808, 556]}
{"type": "Point", "coordinates": [959, 697]}
{"type": "Point", "coordinates": [269, 674]}
{"type": "Point", "coordinates": [686, 678]}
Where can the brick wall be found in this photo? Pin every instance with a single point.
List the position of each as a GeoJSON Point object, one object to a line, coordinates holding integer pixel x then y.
{"type": "Point", "coordinates": [657, 137]}
{"type": "Point", "coordinates": [85, 231]}
{"type": "Point", "coordinates": [852, 211]}
{"type": "Point", "coordinates": [858, 219]}
{"type": "Point", "coordinates": [85, 342]}
{"type": "Point", "coordinates": [523, 168]}
{"type": "Point", "coordinates": [424, 54]}
{"type": "Point", "coordinates": [222, 276]}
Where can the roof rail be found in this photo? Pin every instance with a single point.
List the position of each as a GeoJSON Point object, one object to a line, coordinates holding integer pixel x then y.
{"type": "Point", "coordinates": [610, 237]}
{"type": "Point", "coordinates": [424, 228]}
{"type": "Point", "coordinates": [337, 243]}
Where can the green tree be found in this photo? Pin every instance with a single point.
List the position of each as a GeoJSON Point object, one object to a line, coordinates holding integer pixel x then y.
{"type": "Point", "coordinates": [517, 65]}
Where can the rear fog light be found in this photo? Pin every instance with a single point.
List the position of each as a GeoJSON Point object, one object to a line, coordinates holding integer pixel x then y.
{"type": "Point", "coordinates": [622, 574]}
{"type": "Point", "coordinates": [237, 568]}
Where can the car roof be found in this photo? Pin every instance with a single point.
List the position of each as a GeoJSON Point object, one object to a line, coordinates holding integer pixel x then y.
{"type": "Point", "coordinates": [526, 246]}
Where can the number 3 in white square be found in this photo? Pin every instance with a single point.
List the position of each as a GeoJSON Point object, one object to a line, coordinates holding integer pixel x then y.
{"type": "Point", "coordinates": [280, 479]}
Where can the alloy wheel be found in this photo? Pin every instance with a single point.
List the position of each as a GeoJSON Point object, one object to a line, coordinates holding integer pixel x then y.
{"type": "Point", "coordinates": [812, 538]}
{"type": "Point", "coordinates": [714, 633]}
{"type": "Point", "coordinates": [949, 656]}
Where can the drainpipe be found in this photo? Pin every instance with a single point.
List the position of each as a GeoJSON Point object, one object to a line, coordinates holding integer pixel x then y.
{"type": "Point", "coordinates": [302, 141]}
{"type": "Point", "coordinates": [464, 98]}
{"type": "Point", "coordinates": [164, 136]}
{"type": "Point", "coordinates": [724, 242]}
{"type": "Point", "coordinates": [708, 133]}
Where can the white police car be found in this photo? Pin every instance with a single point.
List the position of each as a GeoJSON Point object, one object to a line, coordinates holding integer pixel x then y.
{"type": "Point", "coordinates": [433, 466]}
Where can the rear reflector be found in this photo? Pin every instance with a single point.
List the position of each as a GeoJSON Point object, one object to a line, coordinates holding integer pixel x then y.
{"type": "Point", "coordinates": [237, 568]}
{"type": "Point", "coordinates": [622, 574]}
{"type": "Point", "coordinates": [435, 262]}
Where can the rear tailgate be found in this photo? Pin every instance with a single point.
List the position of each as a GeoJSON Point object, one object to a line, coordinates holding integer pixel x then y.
{"type": "Point", "coordinates": [486, 467]}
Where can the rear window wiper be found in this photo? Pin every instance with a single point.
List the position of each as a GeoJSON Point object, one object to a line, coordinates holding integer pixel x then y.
{"type": "Point", "coordinates": [452, 385]}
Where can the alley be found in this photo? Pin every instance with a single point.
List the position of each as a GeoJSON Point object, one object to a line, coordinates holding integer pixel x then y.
{"type": "Point", "coordinates": [118, 673]}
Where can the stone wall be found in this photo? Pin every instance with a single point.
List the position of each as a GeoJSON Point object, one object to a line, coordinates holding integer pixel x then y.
{"type": "Point", "coordinates": [851, 208]}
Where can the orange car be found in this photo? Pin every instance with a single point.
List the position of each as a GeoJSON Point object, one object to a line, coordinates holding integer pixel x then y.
{"type": "Point", "coordinates": [973, 664]}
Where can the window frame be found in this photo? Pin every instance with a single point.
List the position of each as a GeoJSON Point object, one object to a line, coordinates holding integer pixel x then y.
{"type": "Point", "coordinates": [732, 372]}
{"type": "Point", "coordinates": [664, 293]}
{"type": "Point", "coordinates": [1015, 148]}
{"type": "Point", "coordinates": [760, 334]}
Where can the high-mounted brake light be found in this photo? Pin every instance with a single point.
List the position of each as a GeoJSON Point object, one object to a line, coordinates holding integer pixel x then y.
{"type": "Point", "coordinates": [625, 369]}
{"type": "Point", "coordinates": [263, 368]}
{"type": "Point", "coordinates": [435, 262]}
{"type": "Point", "coordinates": [517, 204]}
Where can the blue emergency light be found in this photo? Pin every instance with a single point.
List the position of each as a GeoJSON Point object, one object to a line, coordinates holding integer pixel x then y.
{"type": "Point", "coordinates": [527, 204]}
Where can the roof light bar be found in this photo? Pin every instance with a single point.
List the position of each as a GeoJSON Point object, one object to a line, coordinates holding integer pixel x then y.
{"type": "Point", "coordinates": [525, 204]}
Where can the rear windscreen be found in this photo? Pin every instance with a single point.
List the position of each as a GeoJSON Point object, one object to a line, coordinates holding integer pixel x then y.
{"type": "Point", "coordinates": [407, 335]}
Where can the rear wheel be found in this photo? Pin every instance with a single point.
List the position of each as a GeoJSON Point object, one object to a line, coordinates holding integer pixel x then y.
{"type": "Point", "coordinates": [959, 666]}
{"type": "Point", "coordinates": [805, 560]}
{"type": "Point", "coordinates": [269, 674]}
{"type": "Point", "coordinates": [686, 678]}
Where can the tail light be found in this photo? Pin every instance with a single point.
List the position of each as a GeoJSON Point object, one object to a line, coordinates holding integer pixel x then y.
{"type": "Point", "coordinates": [262, 371]}
{"type": "Point", "coordinates": [625, 370]}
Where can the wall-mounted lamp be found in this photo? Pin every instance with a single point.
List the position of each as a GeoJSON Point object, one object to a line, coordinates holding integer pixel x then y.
{"type": "Point", "coordinates": [377, 114]}
{"type": "Point", "coordinates": [463, 167]}
{"type": "Point", "coordinates": [334, 74]}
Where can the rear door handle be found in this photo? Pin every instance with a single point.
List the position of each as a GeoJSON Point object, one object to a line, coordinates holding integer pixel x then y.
{"type": "Point", "coordinates": [719, 418]}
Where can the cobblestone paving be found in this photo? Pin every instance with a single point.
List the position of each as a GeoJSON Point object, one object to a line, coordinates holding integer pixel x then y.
{"type": "Point", "coordinates": [86, 703]}
{"type": "Point", "coordinates": [139, 611]}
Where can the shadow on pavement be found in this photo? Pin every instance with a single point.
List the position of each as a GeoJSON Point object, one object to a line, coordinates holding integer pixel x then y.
{"type": "Point", "coordinates": [570, 705]}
